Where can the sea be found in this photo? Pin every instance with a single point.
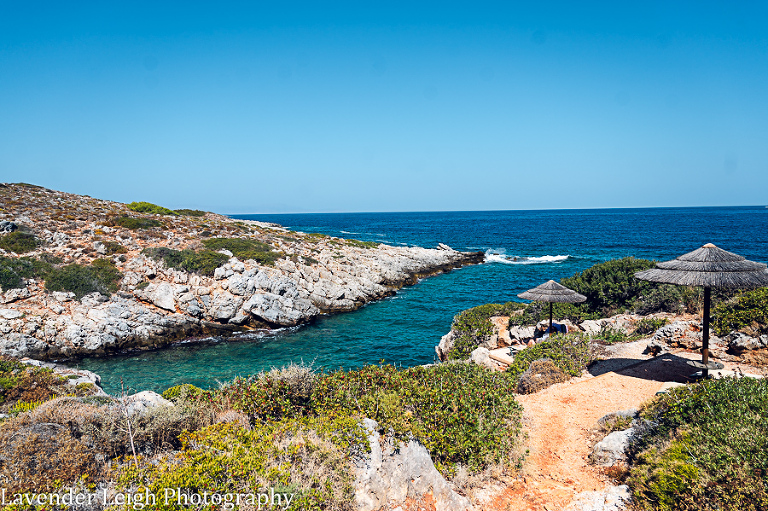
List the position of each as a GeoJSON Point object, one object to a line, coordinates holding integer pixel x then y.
{"type": "Point", "coordinates": [522, 250]}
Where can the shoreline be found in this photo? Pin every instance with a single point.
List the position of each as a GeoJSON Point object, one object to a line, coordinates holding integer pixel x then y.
{"type": "Point", "coordinates": [284, 278]}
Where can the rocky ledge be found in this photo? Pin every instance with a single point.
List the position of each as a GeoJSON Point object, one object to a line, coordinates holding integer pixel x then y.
{"type": "Point", "coordinates": [154, 304]}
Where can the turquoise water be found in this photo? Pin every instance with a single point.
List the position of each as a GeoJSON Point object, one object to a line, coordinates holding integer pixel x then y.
{"type": "Point", "coordinates": [404, 328]}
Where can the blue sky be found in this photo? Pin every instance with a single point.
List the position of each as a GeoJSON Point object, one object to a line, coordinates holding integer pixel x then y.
{"type": "Point", "coordinates": [312, 107]}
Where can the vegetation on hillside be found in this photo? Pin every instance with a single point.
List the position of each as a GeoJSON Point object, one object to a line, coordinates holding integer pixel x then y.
{"type": "Point", "coordinates": [100, 276]}
{"type": "Point", "coordinates": [203, 262]}
{"type": "Point", "coordinates": [704, 448]}
{"type": "Point", "coordinates": [135, 223]}
{"type": "Point", "coordinates": [291, 428]}
{"type": "Point", "coordinates": [148, 207]}
{"type": "Point", "coordinates": [747, 312]}
{"type": "Point", "coordinates": [19, 242]}
{"type": "Point", "coordinates": [245, 249]}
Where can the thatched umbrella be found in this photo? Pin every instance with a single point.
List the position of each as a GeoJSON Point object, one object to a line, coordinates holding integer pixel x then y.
{"type": "Point", "coordinates": [708, 266]}
{"type": "Point", "coordinates": [551, 291]}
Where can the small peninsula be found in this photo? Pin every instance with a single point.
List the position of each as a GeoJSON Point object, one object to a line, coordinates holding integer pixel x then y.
{"type": "Point", "coordinates": [85, 276]}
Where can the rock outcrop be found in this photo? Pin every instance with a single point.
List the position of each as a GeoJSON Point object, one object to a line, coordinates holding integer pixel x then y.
{"type": "Point", "coordinates": [156, 305]}
{"type": "Point", "coordinates": [391, 474]}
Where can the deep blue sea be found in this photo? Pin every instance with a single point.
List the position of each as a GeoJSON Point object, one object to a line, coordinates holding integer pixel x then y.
{"type": "Point", "coordinates": [404, 328]}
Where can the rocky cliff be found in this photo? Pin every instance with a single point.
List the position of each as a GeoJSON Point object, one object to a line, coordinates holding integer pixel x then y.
{"type": "Point", "coordinates": [154, 303]}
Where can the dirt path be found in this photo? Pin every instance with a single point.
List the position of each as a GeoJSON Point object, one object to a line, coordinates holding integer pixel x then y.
{"type": "Point", "coordinates": [559, 419]}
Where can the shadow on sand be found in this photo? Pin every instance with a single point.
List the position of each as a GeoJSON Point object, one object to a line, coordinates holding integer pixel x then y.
{"type": "Point", "coordinates": [667, 367]}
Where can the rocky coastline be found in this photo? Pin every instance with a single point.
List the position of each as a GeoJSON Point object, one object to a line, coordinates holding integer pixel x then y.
{"type": "Point", "coordinates": [155, 305]}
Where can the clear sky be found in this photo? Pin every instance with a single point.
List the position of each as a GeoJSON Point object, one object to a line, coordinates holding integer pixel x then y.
{"type": "Point", "coordinates": [393, 106]}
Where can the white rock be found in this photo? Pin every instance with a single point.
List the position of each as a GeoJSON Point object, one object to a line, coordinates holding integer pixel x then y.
{"type": "Point", "coordinates": [612, 449]}
{"type": "Point", "coordinates": [612, 498]}
{"type": "Point", "coordinates": [141, 402]}
{"type": "Point", "coordinates": [10, 313]}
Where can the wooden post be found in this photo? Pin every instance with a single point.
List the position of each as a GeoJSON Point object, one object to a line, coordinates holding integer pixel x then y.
{"type": "Point", "coordinates": [705, 334]}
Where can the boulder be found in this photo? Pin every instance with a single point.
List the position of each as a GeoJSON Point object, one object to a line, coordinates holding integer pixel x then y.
{"type": "Point", "coordinates": [612, 449]}
{"type": "Point", "coordinates": [481, 357]}
{"type": "Point", "coordinates": [141, 402]}
{"type": "Point", "coordinates": [591, 327]}
{"type": "Point", "coordinates": [10, 313]}
{"type": "Point", "coordinates": [445, 345]}
{"type": "Point", "coordinates": [739, 342]}
{"type": "Point", "coordinates": [389, 475]}
{"type": "Point", "coordinates": [13, 295]}
{"type": "Point", "coordinates": [541, 374]}
{"type": "Point", "coordinates": [521, 333]}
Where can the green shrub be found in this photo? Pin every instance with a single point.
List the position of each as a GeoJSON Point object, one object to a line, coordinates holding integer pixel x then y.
{"type": "Point", "coordinates": [362, 244]}
{"type": "Point", "coordinates": [610, 286]}
{"type": "Point", "coordinates": [19, 242]}
{"type": "Point", "coordinates": [307, 457]}
{"type": "Point", "coordinates": [148, 207]}
{"type": "Point", "coordinates": [473, 327]}
{"type": "Point", "coordinates": [704, 448]}
{"type": "Point", "coordinates": [133, 223]}
{"type": "Point", "coordinates": [245, 249]}
{"type": "Point", "coordinates": [748, 309]}
{"type": "Point", "coordinates": [13, 270]}
{"type": "Point", "coordinates": [182, 392]}
{"type": "Point", "coordinates": [570, 353]}
{"type": "Point", "coordinates": [204, 262]}
{"type": "Point", "coordinates": [648, 326]}
{"type": "Point", "coordinates": [611, 335]}
{"type": "Point", "coordinates": [101, 276]}
{"type": "Point", "coordinates": [191, 212]}
{"type": "Point", "coordinates": [114, 247]}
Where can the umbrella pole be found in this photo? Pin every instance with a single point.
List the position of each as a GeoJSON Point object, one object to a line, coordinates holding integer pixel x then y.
{"type": "Point", "coordinates": [550, 318]}
{"type": "Point", "coordinates": [705, 334]}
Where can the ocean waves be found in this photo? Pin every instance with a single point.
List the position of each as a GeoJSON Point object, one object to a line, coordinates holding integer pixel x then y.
{"type": "Point", "coordinates": [499, 256]}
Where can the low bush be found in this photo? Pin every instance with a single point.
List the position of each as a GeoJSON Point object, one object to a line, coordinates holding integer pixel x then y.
{"type": "Point", "coordinates": [362, 244]}
{"type": "Point", "coordinates": [611, 335]}
{"type": "Point", "coordinates": [648, 326]}
{"type": "Point", "coordinates": [540, 374]}
{"type": "Point", "coordinates": [204, 262]}
{"type": "Point", "coordinates": [134, 223]}
{"type": "Point", "coordinates": [245, 249]}
{"type": "Point", "coordinates": [570, 353]}
{"type": "Point", "coordinates": [182, 392]}
{"type": "Point", "coordinates": [148, 207]}
{"type": "Point", "coordinates": [191, 212]}
{"type": "Point", "coordinates": [100, 276]}
{"type": "Point", "coordinates": [113, 247]}
{"type": "Point", "coordinates": [472, 327]}
{"type": "Point", "coordinates": [462, 413]}
{"type": "Point", "coordinates": [704, 448]}
{"type": "Point", "coordinates": [13, 271]}
{"type": "Point", "coordinates": [746, 311]}
{"type": "Point", "coordinates": [306, 457]}
{"type": "Point", "coordinates": [19, 242]}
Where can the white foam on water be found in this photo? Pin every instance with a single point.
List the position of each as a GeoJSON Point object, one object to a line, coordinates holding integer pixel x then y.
{"type": "Point", "coordinates": [498, 256]}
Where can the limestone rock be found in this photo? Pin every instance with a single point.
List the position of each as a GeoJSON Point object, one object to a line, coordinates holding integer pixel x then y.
{"type": "Point", "coordinates": [141, 402]}
{"type": "Point", "coordinates": [521, 333]}
{"type": "Point", "coordinates": [481, 357]}
{"type": "Point", "coordinates": [387, 476]}
{"type": "Point", "coordinates": [739, 342]}
{"type": "Point", "coordinates": [612, 498]}
{"type": "Point", "coordinates": [445, 345]}
{"type": "Point", "coordinates": [13, 295]}
{"type": "Point", "coordinates": [612, 449]}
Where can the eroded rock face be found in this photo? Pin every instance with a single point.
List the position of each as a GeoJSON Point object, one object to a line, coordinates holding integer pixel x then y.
{"type": "Point", "coordinates": [389, 476]}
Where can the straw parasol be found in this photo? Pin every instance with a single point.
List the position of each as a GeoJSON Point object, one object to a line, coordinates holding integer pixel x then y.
{"type": "Point", "coordinates": [708, 266]}
{"type": "Point", "coordinates": [551, 291]}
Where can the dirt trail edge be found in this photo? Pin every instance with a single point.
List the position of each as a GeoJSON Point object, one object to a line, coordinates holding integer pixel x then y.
{"type": "Point", "coordinates": [558, 421]}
